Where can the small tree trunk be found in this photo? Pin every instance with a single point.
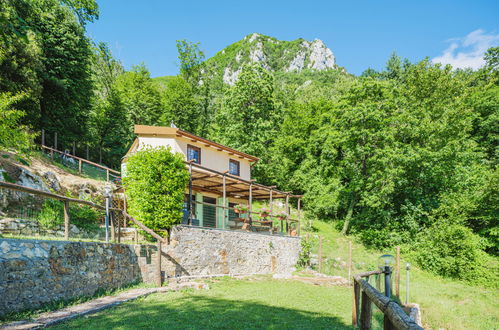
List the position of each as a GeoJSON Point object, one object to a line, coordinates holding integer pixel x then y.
{"type": "Point", "coordinates": [348, 217]}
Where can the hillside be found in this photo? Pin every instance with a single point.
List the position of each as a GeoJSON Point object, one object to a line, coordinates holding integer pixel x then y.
{"type": "Point", "coordinates": [445, 303]}
{"type": "Point", "coordinates": [274, 55]}
{"type": "Point", "coordinates": [281, 57]}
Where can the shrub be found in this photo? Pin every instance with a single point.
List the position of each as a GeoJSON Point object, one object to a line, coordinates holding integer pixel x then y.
{"type": "Point", "coordinates": [452, 250]}
{"type": "Point", "coordinates": [155, 184]}
{"type": "Point", "coordinates": [52, 214]}
{"type": "Point", "coordinates": [84, 217]}
{"type": "Point", "coordinates": [304, 256]}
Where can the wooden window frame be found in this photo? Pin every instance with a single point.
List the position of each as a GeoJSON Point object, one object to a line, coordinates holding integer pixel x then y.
{"type": "Point", "coordinates": [238, 167]}
{"type": "Point", "coordinates": [194, 148]}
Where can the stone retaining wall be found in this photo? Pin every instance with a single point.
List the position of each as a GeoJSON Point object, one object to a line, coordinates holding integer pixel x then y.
{"type": "Point", "coordinates": [34, 272]}
{"type": "Point", "coordinates": [25, 227]}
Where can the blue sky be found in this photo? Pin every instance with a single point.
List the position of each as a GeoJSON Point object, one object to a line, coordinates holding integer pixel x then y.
{"type": "Point", "coordinates": [361, 34]}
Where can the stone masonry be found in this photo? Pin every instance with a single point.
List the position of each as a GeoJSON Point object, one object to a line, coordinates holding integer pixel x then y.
{"type": "Point", "coordinates": [35, 272]}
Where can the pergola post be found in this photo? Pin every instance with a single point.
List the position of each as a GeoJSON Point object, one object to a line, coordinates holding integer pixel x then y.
{"type": "Point", "coordinates": [299, 214]}
{"type": "Point", "coordinates": [189, 203]}
{"type": "Point", "coordinates": [224, 210]}
{"type": "Point", "coordinates": [250, 206]}
{"type": "Point", "coordinates": [287, 211]}
{"type": "Point", "coordinates": [271, 202]}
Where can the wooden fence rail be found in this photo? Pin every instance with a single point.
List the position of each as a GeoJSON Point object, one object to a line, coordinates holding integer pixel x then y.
{"type": "Point", "coordinates": [81, 161]}
{"type": "Point", "coordinates": [68, 200]}
{"type": "Point", "coordinates": [394, 316]}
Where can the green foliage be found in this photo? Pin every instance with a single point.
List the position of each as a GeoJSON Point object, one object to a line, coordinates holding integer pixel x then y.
{"type": "Point", "coordinates": [452, 250]}
{"type": "Point", "coordinates": [304, 256]}
{"type": "Point", "coordinates": [191, 58]}
{"type": "Point", "coordinates": [140, 96]}
{"type": "Point", "coordinates": [13, 135]}
{"type": "Point", "coordinates": [46, 56]}
{"type": "Point", "coordinates": [155, 182]}
{"type": "Point", "coordinates": [247, 120]}
{"type": "Point", "coordinates": [52, 214]}
{"type": "Point", "coordinates": [181, 106]}
{"type": "Point", "coordinates": [84, 217]}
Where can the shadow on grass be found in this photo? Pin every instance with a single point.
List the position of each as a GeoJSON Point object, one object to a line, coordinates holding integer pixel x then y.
{"type": "Point", "coordinates": [197, 312]}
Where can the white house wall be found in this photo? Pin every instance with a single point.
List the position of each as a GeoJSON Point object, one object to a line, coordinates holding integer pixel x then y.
{"type": "Point", "coordinates": [210, 157]}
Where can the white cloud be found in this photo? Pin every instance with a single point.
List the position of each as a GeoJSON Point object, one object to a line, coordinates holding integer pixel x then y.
{"type": "Point", "coordinates": [467, 52]}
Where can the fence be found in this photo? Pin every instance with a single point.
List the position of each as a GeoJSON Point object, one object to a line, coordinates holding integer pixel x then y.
{"type": "Point", "coordinates": [394, 317]}
{"type": "Point", "coordinates": [32, 213]}
{"type": "Point", "coordinates": [82, 166]}
{"type": "Point", "coordinates": [210, 215]}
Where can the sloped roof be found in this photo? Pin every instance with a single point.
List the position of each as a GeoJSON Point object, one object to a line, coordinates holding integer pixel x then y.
{"type": "Point", "coordinates": [144, 130]}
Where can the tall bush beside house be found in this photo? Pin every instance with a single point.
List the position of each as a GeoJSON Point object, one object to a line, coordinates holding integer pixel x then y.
{"type": "Point", "coordinates": [155, 183]}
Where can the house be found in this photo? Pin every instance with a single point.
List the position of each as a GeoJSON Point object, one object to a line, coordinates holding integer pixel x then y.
{"type": "Point", "coordinates": [220, 183]}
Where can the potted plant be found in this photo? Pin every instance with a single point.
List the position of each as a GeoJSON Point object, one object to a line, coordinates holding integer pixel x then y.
{"type": "Point", "coordinates": [264, 213]}
{"type": "Point", "coordinates": [241, 208]}
{"type": "Point", "coordinates": [282, 216]}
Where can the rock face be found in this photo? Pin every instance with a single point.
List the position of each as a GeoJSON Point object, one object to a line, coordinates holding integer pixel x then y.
{"type": "Point", "coordinates": [35, 272]}
{"type": "Point", "coordinates": [273, 55]}
{"type": "Point", "coordinates": [31, 180]}
{"type": "Point", "coordinates": [52, 180]}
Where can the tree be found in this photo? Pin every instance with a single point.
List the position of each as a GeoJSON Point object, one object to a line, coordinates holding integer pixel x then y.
{"type": "Point", "coordinates": [47, 57]}
{"type": "Point", "coordinates": [191, 59]}
{"type": "Point", "coordinates": [109, 129]}
{"type": "Point", "coordinates": [181, 106]}
{"type": "Point", "coordinates": [140, 97]}
{"type": "Point", "coordinates": [248, 118]}
{"type": "Point", "coordinates": [155, 183]}
{"type": "Point", "coordinates": [13, 135]}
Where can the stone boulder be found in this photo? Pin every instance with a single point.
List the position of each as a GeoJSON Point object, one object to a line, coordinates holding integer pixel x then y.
{"type": "Point", "coordinates": [31, 180]}
{"type": "Point", "coordinates": [52, 180]}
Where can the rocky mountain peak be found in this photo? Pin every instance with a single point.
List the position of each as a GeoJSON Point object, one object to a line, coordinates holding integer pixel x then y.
{"type": "Point", "coordinates": [273, 55]}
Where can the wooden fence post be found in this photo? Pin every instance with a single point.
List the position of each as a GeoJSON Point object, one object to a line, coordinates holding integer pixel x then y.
{"type": "Point", "coordinates": [349, 260]}
{"type": "Point", "coordinates": [397, 275]}
{"type": "Point", "coordinates": [43, 138]}
{"type": "Point", "coordinates": [66, 220]}
{"type": "Point", "coordinates": [113, 232]}
{"type": "Point", "coordinates": [355, 305]}
{"type": "Point", "coordinates": [365, 312]}
{"type": "Point", "coordinates": [320, 254]}
{"type": "Point", "coordinates": [107, 175]}
{"type": "Point", "coordinates": [119, 227]}
{"type": "Point", "coordinates": [158, 266]}
{"type": "Point", "coordinates": [79, 166]}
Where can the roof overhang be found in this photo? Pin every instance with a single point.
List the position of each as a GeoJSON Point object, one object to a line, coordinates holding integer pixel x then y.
{"type": "Point", "coordinates": [144, 130]}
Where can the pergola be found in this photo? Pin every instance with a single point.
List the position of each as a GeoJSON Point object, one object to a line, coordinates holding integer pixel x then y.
{"type": "Point", "coordinates": [226, 185]}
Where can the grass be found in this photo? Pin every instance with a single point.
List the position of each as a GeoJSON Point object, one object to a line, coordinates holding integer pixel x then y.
{"type": "Point", "coordinates": [55, 305]}
{"type": "Point", "coordinates": [231, 304]}
{"type": "Point", "coordinates": [74, 239]}
{"type": "Point", "coordinates": [445, 303]}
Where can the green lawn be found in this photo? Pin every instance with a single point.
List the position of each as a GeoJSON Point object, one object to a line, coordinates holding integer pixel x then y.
{"type": "Point", "coordinates": [232, 304]}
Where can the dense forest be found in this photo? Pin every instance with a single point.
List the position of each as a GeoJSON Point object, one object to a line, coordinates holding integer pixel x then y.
{"type": "Point", "coordinates": [405, 156]}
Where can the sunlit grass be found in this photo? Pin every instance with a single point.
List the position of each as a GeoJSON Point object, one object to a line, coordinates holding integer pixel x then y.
{"type": "Point", "coordinates": [231, 304]}
{"type": "Point", "coordinates": [445, 303]}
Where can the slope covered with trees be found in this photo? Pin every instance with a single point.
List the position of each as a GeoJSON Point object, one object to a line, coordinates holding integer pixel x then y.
{"type": "Point", "coordinates": [403, 156]}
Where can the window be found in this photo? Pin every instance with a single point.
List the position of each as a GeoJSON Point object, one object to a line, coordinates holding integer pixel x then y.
{"type": "Point", "coordinates": [233, 167]}
{"type": "Point", "coordinates": [194, 153]}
